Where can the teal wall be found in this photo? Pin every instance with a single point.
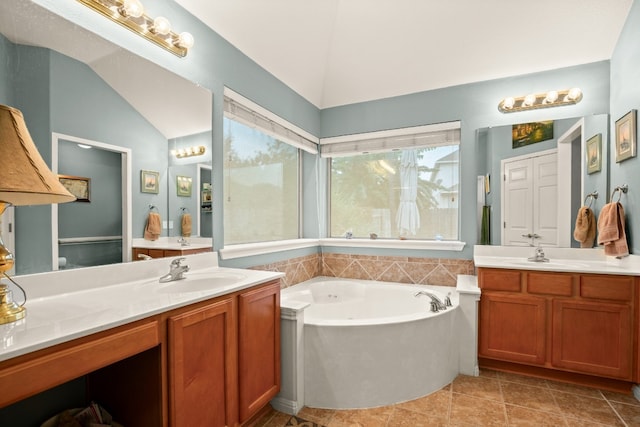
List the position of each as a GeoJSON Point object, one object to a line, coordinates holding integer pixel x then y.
{"type": "Point", "coordinates": [625, 96]}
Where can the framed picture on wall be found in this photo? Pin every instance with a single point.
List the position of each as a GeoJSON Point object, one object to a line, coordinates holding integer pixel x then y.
{"type": "Point", "coordinates": [149, 181]}
{"type": "Point", "coordinates": [184, 185]}
{"type": "Point", "coordinates": [626, 136]}
{"type": "Point", "coordinates": [78, 186]}
{"type": "Point", "coordinates": [594, 154]}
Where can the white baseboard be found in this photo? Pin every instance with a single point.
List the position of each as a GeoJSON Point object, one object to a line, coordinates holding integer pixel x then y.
{"type": "Point", "coordinates": [287, 406]}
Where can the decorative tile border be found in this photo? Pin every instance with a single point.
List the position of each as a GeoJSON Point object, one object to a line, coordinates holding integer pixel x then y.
{"type": "Point", "coordinates": [413, 270]}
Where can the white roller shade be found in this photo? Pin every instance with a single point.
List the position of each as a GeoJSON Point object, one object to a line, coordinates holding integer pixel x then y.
{"type": "Point", "coordinates": [389, 140]}
{"type": "Point", "coordinates": [238, 110]}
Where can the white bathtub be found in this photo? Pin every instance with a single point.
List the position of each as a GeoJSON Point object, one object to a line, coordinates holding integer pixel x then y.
{"type": "Point", "coordinates": [370, 344]}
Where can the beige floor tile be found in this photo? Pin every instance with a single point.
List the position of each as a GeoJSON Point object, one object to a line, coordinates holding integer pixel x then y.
{"type": "Point", "coordinates": [470, 411]}
{"type": "Point", "coordinates": [575, 389]}
{"type": "Point", "coordinates": [435, 403]}
{"type": "Point", "coordinates": [524, 417]}
{"type": "Point", "coordinates": [488, 373]}
{"type": "Point", "coordinates": [586, 408]}
{"type": "Point", "coordinates": [375, 417]}
{"type": "Point", "coordinates": [522, 379]}
{"type": "Point", "coordinates": [317, 415]}
{"type": "Point", "coordinates": [629, 413]}
{"type": "Point", "coordinates": [404, 418]}
{"type": "Point", "coordinates": [277, 420]}
{"type": "Point", "coordinates": [629, 399]}
{"type": "Point", "coordinates": [528, 396]}
{"type": "Point", "coordinates": [485, 388]}
{"type": "Point", "coordinates": [572, 422]}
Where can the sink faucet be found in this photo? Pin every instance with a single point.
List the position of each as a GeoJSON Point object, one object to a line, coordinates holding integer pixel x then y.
{"type": "Point", "coordinates": [436, 303]}
{"type": "Point", "coordinates": [539, 256]}
{"type": "Point", "coordinates": [176, 271]}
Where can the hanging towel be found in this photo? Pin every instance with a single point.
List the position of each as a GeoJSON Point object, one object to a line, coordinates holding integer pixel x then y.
{"type": "Point", "coordinates": [186, 225]}
{"type": "Point", "coordinates": [611, 232]}
{"type": "Point", "coordinates": [485, 228]}
{"type": "Point", "coordinates": [585, 230]}
{"type": "Point", "coordinates": [154, 226]}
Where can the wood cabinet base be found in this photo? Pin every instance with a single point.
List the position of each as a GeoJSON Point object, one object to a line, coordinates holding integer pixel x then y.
{"type": "Point", "coordinates": [556, 375]}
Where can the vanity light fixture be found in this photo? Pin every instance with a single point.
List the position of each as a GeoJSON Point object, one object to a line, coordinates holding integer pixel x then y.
{"type": "Point", "coordinates": [553, 98]}
{"type": "Point", "coordinates": [130, 14]}
{"type": "Point", "coordinates": [25, 179]}
{"type": "Point", "coordinates": [189, 151]}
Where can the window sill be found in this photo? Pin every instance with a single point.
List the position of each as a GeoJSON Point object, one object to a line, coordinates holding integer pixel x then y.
{"type": "Point", "coordinates": [261, 248]}
{"type": "Point", "coordinates": [438, 245]}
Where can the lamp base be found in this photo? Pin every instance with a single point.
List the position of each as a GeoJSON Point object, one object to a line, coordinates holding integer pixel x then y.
{"type": "Point", "coordinates": [9, 310]}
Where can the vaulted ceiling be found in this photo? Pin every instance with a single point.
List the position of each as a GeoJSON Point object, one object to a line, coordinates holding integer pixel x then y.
{"type": "Point", "coordinates": [336, 52]}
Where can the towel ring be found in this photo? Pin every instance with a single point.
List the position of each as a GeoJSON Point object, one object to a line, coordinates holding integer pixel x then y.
{"type": "Point", "coordinates": [152, 207]}
{"type": "Point", "coordinates": [184, 210]}
{"type": "Point", "coordinates": [590, 197]}
{"type": "Point", "coordinates": [620, 189]}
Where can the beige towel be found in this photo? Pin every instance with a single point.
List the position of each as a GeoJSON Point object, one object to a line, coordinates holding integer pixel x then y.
{"type": "Point", "coordinates": [154, 226]}
{"type": "Point", "coordinates": [611, 232]}
{"type": "Point", "coordinates": [585, 230]}
{"type": "Point", "coordinates": [186, 225]}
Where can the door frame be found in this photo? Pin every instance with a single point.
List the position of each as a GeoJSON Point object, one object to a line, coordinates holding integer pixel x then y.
{"type": "Point", "coordinates": [127, 217]}
{"type": "Point", "coordinates": [565, 179]}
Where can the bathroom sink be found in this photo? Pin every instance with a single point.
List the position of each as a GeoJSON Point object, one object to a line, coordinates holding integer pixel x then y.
{"type": "Point", "coordinates": [200, 282]}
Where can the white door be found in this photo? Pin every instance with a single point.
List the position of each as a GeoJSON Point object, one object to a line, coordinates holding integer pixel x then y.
{"type": "Point", "coordinates": [530, 201]}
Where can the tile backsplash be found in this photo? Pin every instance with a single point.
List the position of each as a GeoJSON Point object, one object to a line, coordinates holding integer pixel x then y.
{"type": "Point", "coordinates": [415, 270]}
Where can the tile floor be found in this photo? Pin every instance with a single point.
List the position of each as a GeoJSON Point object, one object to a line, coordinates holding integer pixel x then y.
{"type": "Point", "coordinates": [492, 399]}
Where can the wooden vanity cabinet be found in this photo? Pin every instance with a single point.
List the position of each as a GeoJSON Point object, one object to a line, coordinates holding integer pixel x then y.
{"type": "Point", "coordinates": [580, 323]}
{"type": "Point", "coordinates": [224, 358]}
{"type": "Point", "coordinates": [164, 253]}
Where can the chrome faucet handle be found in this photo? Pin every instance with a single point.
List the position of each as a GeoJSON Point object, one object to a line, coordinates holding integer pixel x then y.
{"type": "Point", "coordinates": [434, 307]}
{"type": "Point", "coordinates": [177, 262]}
{"type": "Point", "coordinates": [447, 300]}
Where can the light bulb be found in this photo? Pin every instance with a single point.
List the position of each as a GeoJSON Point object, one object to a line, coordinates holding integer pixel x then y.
{"type": "Point", "coordinates": [161, 25]}
{"type": "Point", "coordinates": [185, 40]}
{"type": "Point", "coordinates": [132, 8]}
{"type": "Point", "coordinates": [529, 100]}
{"type": "Point", "coordinates": [574, 93]}
{"type": "Point", "coordinates": [508, 103]}
{"type": "Point", "coordinates": [552, 96]}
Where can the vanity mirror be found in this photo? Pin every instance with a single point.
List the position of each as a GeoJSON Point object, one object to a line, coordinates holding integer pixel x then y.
{"type": "Point", "coordinates": [75, 87]}
{"type": "Point", "coordinates": [574, 182]}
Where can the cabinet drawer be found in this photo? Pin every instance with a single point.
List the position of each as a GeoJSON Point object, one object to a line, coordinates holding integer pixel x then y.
{"type": "Point", "coordinates": [550, 284]}
{"type": "Point", "coordinates": [615, 288]}
{"type": "Point", "coordinates": [500, 280]}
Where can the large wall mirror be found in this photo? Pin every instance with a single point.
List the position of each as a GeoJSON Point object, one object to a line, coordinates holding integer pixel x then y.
{"type": "Point", "coordinates": [72, 83]}
{"type": "Point", "coordinates": [576, 178]}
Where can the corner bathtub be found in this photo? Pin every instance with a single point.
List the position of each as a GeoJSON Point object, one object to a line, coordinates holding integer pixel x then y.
{"type": "Point", "coordinates": [369, 344]}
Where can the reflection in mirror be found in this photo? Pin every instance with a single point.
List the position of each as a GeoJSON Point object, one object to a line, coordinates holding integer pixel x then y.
{"type": "Point", "coordinates": [574, 181]}
{"type": "Point", "coordinates": [69, 81]}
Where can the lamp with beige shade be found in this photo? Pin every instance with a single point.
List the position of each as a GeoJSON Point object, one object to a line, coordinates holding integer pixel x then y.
{"type": "Point", "coordinates": [25, 179]}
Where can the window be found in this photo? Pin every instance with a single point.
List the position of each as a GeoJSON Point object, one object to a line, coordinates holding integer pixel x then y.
{"type": "Point", "coordinates": [261, 175]}
{"type": "Point", "coordinates": [402, 186]}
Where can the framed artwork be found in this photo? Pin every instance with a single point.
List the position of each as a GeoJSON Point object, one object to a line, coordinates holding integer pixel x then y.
{"type": "Point", "coordinates": [594, 154]}
{"type": "Point", "coordinates": [149, 181]}
{"type": "Point", "coordinates": [78, 186]}
{"type": "Point", "coordinates": [626, 136]}
{"type": "Point", "coordinates": [531, 133]}
{"type": "Point", "coordinates": [184, 185]}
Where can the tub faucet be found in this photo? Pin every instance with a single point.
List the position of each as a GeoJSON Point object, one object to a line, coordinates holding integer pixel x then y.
{"type": "Point", "coordinates": [436, 303]}
{"type": "Point", "coordinates": [176, 271]}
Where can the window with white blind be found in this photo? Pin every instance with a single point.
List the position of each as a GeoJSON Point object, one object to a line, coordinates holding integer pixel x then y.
{"type": "Point", "coordinates": [261, 193]}
{"type": "Point", "coordinates": [396, 184]}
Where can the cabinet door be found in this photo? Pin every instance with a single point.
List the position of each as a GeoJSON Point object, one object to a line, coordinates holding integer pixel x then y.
{"type": "Point", "coordinates": [512, 328]}
{"type": "Point", "coordinates": [595, 338]}
{"type": "Point", "coordinates": [259, 348]}
{"type": "Point", "coordinates": [202, 366]}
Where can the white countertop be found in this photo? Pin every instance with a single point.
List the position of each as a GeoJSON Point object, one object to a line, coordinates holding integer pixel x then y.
{"type": "Point", "coordinates": [560, 259]}
{"type": "Point", "coordinates": [173, 244]}
{"type": "Point", "coordinates": [70, 304]}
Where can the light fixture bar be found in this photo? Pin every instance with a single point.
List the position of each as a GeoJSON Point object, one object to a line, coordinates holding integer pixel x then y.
{"type": "Point", "coordinates": [189, 151]}
{"type": "Point", "coordinates": [532, 101]}
{"type": "Point", "coordinates": [158, 33]}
